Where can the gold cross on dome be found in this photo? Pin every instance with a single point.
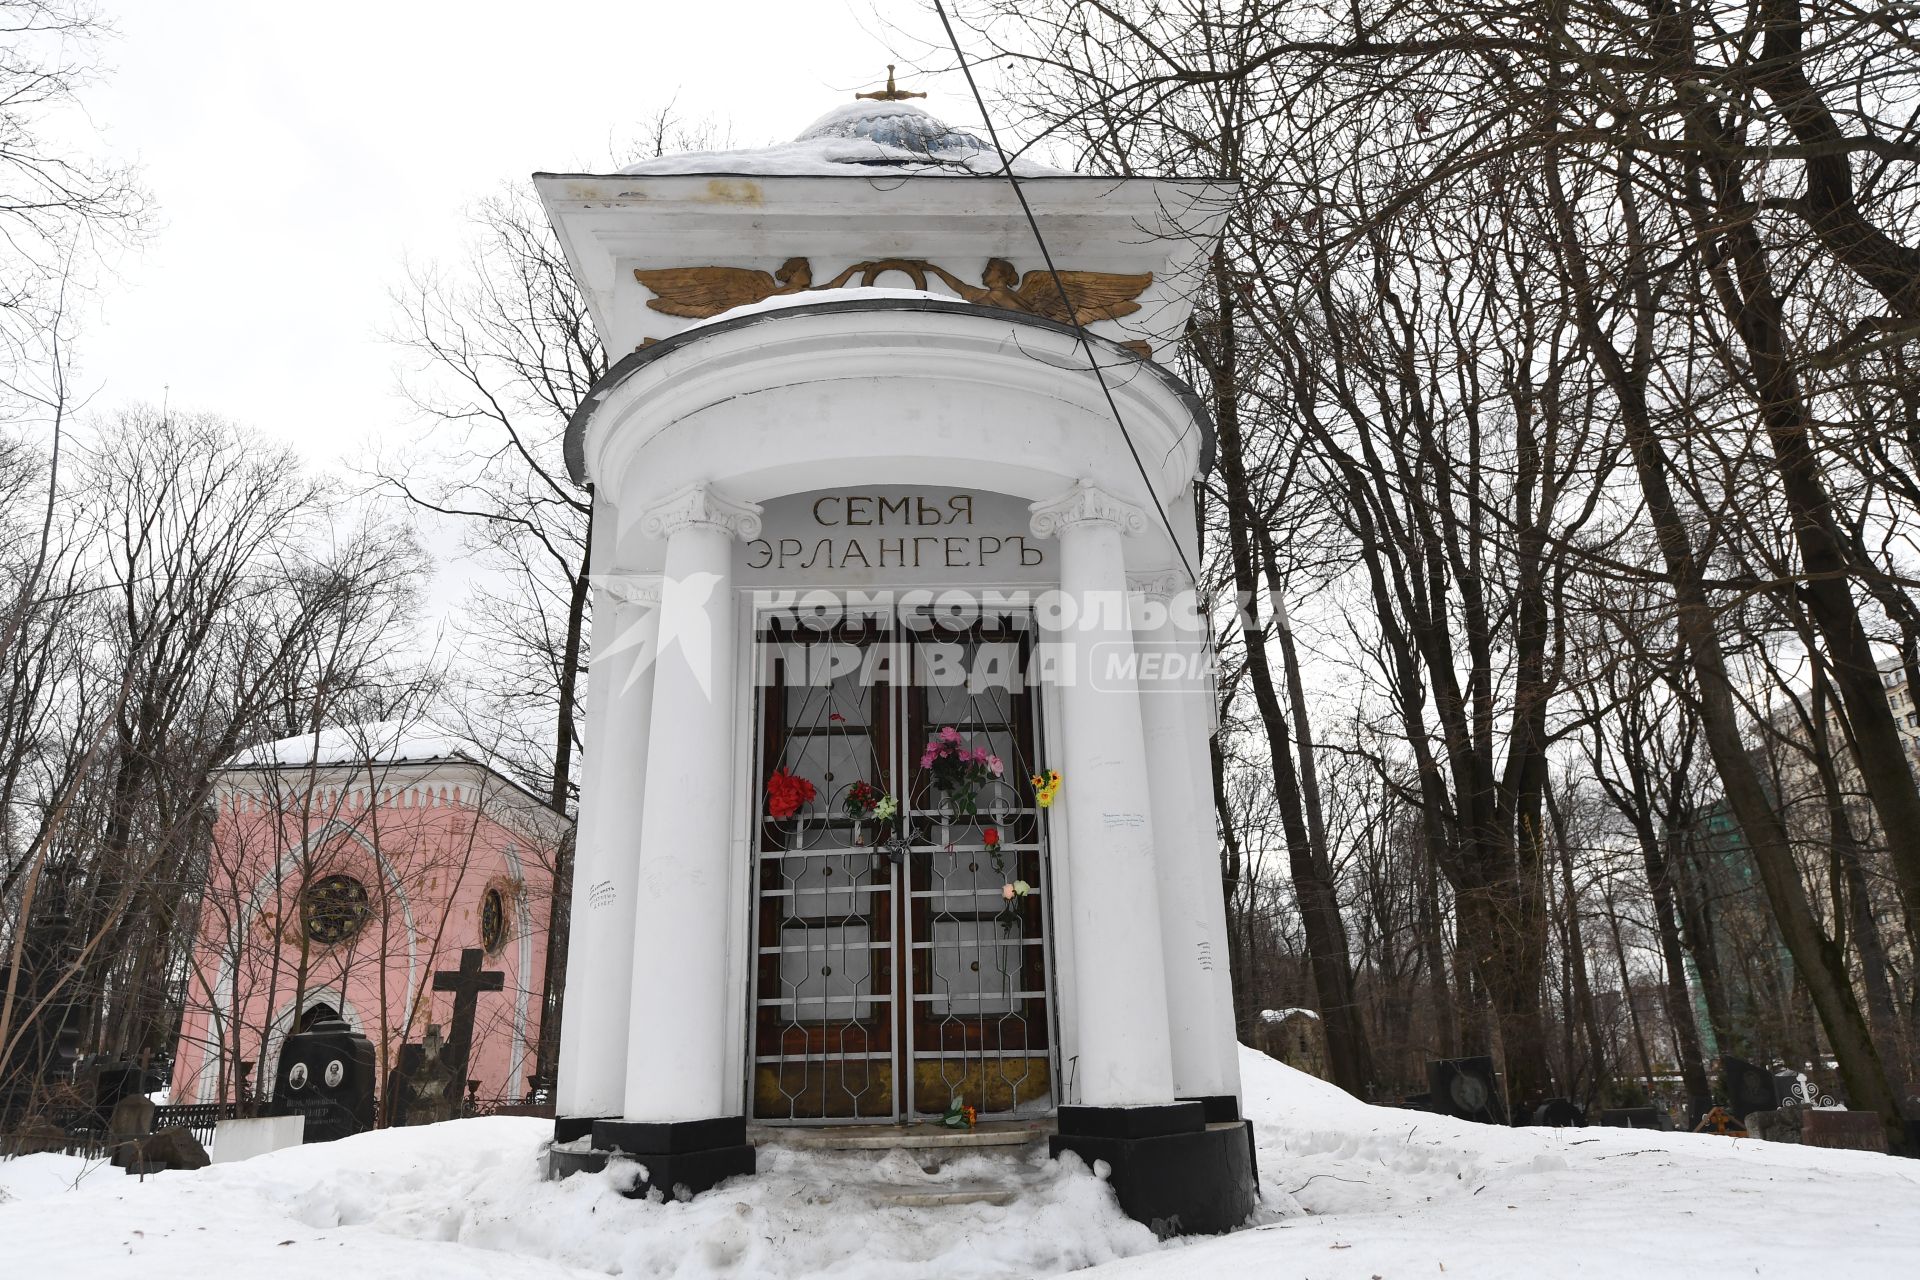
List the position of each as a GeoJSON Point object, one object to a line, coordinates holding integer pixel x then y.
{"type": "Point", "coordinates": [889, 94]}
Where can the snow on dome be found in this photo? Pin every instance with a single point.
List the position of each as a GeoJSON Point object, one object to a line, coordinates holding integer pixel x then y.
{"type": "Point", "coordinates": [893, 124]}
{"type": "Point", "coordinates": [852, 138]}
{"type": "Point", "coordinates": [380, 742]}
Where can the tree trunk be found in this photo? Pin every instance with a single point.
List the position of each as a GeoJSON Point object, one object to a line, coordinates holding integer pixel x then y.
{"type": "Point", "coordinates": [1814, 955]}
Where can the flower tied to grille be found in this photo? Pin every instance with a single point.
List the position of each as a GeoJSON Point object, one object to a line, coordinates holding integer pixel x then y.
{"type": "Point", "coordinates": [787, 793]}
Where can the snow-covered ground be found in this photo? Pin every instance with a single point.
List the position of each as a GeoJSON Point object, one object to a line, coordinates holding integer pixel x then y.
{"type": "Point", "coordinates": [1349, 1190]}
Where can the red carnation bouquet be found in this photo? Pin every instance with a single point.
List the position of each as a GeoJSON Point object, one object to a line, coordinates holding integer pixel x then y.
{"type": "Point", "coordinates": [787, 793]}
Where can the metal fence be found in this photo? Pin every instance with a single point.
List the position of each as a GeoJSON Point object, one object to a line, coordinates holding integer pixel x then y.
{"type": "Point", "coordinates": [198, 1117]}
{"type": "Point", "coordinates": [79, 1132]}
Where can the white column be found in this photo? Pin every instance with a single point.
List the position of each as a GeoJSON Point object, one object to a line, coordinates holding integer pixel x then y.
{"type": "Point", "coordinates": [1173, 647]}
{"type": "Point", "coordinates": [606, 858]}
{"type": "Point", "coordinates": [677, 1066]}
{"type": "Point", "coordinates": [1121, 995]}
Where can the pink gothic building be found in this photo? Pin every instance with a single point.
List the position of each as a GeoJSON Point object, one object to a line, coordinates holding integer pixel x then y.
{"type": "Point", "coordinates": [346, 870]}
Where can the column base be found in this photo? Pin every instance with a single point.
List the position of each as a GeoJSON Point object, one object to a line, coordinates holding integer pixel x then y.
{"type": "Point", "coordinates": [1170, 1168]}
{"type": "Point", "coordinates": [681, 1158]}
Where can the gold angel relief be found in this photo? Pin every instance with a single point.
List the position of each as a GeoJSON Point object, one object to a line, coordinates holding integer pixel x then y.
{"type": "Point", "coordinates": [699, 292]}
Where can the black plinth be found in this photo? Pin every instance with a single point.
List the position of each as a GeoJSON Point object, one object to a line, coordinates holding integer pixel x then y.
{"type": "Point", "coordinates": [573, 1128]}
{"type": "Point", "coordinates": [1170, 1168]}
{"type": "Point", "coordinates": [680, 1159]}
{"type": "Point", "coordinates": [1219, 1108]}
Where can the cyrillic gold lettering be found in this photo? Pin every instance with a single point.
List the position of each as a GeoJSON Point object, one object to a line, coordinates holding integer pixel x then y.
{"type": "Point", "coordinates": [821, 502]}
{"type": "Point", "coordinates": [989, 548]}
{"type": "Point", "coordinates": [962, 508]}
{"type": "Point", "coordinates": [785, 543]}
{"type": "Point", "coordinates": [956, 547]}
{"type": "Point", "coordinates": [897, 547]}
{"type": "Point", "coordinates": [902, 507]}
{"type": "Point", "coordinates": [1026, 551]}
{"type": "Point", "coordinates": [760, 547]}
{"type": "Point", "coordinates": [825, 544]}
{"type": "Point", "coordinates": [864, 505]}
{"type": "Point", "coordinates": [927, 513]}
{"type": "Point", "coordinates": [916, 547]}
{"type": "Point", "coordinates": [854, 552]}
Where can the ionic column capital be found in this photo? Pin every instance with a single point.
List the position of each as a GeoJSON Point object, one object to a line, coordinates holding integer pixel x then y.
{"type": "Point", "coordinates": [1084, 504]}
{"type": "Point", "coordinates": [1162, 586]}
{"type": "Point", "coordinates": [698, 506]}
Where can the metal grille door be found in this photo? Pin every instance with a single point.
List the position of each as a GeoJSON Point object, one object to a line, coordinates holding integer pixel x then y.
{"type": "Point", "coordinates": [902, 965]}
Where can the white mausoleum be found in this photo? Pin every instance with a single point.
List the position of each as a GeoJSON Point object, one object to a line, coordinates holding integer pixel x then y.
{"type": "Point", "coordinates": [872, 558]}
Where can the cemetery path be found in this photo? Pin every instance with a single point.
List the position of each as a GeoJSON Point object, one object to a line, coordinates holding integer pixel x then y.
{"type": "Point", "coordinates": [1350, 1190]}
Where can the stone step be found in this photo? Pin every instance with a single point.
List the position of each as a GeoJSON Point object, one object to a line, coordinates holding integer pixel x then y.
{"type": "Point", "coordinates": [902, 1168]}
{"type": "Point", "coordinates": [937, 1194]}
{"type": "Point", "coordinates": [887, 1137]}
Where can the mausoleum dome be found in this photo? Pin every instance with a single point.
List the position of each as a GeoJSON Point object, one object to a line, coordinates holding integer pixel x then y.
{"type": "Point", "coordinates": [897, 126]}
{"type": "Point", "coordinates": [854, 138]}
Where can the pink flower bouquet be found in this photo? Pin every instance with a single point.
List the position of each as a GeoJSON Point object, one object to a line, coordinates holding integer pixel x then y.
{"type": "Point", "coordinates": [959, 771]}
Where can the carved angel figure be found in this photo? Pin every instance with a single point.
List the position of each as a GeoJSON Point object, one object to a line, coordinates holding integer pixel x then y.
{"type": "Point", "coordinates": [1095, 295]}
{"type": "Point", "coordinates": [699, 292]}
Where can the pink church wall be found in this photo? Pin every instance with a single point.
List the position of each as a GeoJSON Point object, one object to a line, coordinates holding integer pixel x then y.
{"type": "Point", "coordinates": [428, 842]}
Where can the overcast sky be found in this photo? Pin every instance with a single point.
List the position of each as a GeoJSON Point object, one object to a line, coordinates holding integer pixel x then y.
{"type": "Point", "coordinates": [300, 155]}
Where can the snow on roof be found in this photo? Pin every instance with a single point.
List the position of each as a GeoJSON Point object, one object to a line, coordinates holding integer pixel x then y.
{"type": "Point", "coordinates": [814, 298]}
{"type": "Point", "coordinates": [379, 742]}
{"type": "Point", "coordinates": [851, 139]}
{"type": "Point", "coordinates": [1281, 1015]}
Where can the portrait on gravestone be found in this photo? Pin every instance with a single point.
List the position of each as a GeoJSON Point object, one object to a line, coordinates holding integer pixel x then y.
{"type": "Point", "coordinates": [1468, 1088]}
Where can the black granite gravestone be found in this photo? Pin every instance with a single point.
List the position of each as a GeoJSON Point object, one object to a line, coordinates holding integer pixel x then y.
{"type": "Point", "coordinates": [1467, 1088]}
{"type": "Point", "coordinates": [1749, 1088]}
{"type": "Point", "coordinates": [117, 1080]}
{"type": "Point", "coordinates": [1560, 1113]}
{"type": "Point", "coordinates": [327, 1075]}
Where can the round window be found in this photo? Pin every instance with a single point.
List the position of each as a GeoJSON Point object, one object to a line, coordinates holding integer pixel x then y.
{"type": "Point", "coordinates": [493, 920]}
{"type": "Point", "coordinates": [334, 909]}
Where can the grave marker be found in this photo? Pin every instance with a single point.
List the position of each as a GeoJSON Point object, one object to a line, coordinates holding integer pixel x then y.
{"type": "Point", "coordinates": [466, 983]}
